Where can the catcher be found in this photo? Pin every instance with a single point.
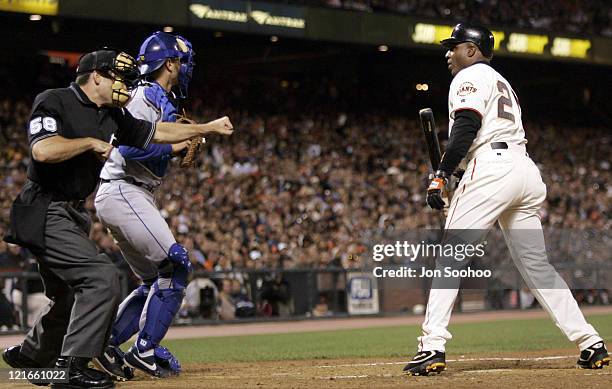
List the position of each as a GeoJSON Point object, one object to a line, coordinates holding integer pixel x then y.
{"type": "Point", "coordinates": [125, 204]}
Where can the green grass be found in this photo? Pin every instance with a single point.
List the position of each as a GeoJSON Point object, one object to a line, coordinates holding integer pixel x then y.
{"type": "Point", "coordinates": [400, 342]}
{"type": "Point", "coordinates": [469, 338]}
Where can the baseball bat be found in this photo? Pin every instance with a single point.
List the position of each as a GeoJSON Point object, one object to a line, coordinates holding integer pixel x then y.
{"type": "Point", "coordinates": [431, 137]}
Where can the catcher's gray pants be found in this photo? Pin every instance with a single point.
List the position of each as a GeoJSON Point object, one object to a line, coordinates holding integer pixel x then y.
{"type": "Point", "coordinates": [82, 285]}
{"type": "Point", "coordinates": [141, 232]}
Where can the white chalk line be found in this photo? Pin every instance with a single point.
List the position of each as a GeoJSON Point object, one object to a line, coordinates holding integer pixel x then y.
{"type": "Point", "coordinates": [512, 359]}
{"type": "Point", "coordinates": [361, 364]}
{"type": "Point", "coordinates": [602, 373]}
{"type": "Point", "coordinates": [452, 360]}
{"type": "Point", "coordinates": [341, 377]}
{"type": "Point", "coordinates": [294, 375]}
{"type": "Point", "coordinates": [486, 371]}
{"type": "Point", "coordinates": [222, 377]}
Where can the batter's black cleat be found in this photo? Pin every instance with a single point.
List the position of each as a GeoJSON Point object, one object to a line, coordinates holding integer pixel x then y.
{"type": "Point", "coordinates": [145, 362]}
{"type": "Point", "coordinates": [81, 376]}
{"type": "Point", "coordinates": [111, 362]}
{"type": "Point", "coordinates": [426, 362]}
{"type": "Point", "coordinates": [594, 357]}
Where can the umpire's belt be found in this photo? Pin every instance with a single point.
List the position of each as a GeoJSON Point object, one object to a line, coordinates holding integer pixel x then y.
{"type": "Point", "coordinates": [132, 181]}
{"type": "Point", "coordinates": [74, 203]}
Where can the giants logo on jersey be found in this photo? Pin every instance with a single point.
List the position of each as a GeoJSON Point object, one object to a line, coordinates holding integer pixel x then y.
{"type": "Point", "coordinates": [466, 88]}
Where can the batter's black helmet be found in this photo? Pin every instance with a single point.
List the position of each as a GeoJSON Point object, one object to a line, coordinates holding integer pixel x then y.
{"type": "Point", "coordinates": [478, 35]}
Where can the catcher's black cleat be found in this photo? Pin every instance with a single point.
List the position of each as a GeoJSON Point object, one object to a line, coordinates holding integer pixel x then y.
{"type": "Point", "coordinates": [594, 357]}
{"type": "Point", "coordinates": [146, 362]}
{"type": "Point", "coordinates": [111, 362]}
{"type": "Point", "coordinates": [426, 362]}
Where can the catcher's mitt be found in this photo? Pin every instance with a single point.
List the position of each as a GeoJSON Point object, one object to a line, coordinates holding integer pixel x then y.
{"type": "Point", "coordinates": [194, 147]}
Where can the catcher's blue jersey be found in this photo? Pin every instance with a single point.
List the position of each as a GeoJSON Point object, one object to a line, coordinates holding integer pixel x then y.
{"type": "Point", "coordinates": [150, 102]}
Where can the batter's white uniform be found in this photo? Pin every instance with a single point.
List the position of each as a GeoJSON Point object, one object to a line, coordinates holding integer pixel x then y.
{"type": "Point", "coordinates": [504, 186]}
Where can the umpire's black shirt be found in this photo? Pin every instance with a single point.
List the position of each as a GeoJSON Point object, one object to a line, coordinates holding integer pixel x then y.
{"type": "Point", "coordinates": [69, 112]}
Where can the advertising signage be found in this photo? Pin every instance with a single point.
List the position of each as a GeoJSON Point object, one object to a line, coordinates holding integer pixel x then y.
{"type": "Point", "coordinates": [509, 42]}
{"type": "Point", "coordinates": [433, 34]}
{"type": "Point", "coordinates": [41, 7]}
{"type": "Point", "coordinates": [247, 16]}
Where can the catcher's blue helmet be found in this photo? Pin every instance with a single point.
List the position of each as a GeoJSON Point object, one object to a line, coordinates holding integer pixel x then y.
{"type": "Point", "coordinates": [160, 46]}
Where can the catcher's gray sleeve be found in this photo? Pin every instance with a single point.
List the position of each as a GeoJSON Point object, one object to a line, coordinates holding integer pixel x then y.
{"type": "Point", "coordinates": [141, 108]}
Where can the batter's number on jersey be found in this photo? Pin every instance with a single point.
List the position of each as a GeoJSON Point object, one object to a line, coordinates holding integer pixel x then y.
{"type": "Point", "coordinates": [504, 100]}
{"type": "Point", "coordinates": [48, 123]}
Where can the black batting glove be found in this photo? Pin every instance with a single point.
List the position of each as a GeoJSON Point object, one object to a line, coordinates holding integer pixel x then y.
{"type": "Point", "coordinates": [434, 192]}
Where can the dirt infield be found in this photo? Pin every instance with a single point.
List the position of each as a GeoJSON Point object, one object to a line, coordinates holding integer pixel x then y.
{"type": "Point", "coordinates": [551, 369]}
{"type": "Point", "coordinates": [540, 369]}
{"type": "Point", "coordinates": [534, 369]}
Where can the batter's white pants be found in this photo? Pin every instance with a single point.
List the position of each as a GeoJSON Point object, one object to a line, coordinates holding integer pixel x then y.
{"type": "Point", "coordinates": [505, 186]}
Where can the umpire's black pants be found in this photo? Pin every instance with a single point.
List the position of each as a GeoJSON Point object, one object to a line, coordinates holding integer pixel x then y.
{"type": "Point", "coordinates": [83, 287]}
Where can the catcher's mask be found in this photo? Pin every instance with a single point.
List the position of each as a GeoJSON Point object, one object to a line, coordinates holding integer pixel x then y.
{"type": "Point", "coordinates": [118, 66]}
{"type": "Point", "coordinates": [160, 46]}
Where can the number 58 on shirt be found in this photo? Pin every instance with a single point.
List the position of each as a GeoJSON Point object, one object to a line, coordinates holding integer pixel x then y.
{"type": "Point", "coordinates": [47, 123]}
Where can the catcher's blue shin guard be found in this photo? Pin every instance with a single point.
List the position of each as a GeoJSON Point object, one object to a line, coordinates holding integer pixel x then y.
{"type": "Point", "coordinates": [162, 305]}
{"type": "Point", "coordinates": [166, 360]}
{"type": "Point", "coordinates": [159, 312]}
{"type": "Point", "coordinates": [126, 324]}
{"type": "Point", "coordinates": [128, 315]}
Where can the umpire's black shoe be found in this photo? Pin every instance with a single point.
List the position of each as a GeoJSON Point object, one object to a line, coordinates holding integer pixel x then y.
{"type": "Point", "coordinates": [81, 376]}
{"type": "Point", "coordinates": [12, 356]}
{"type": "Point", "coordinates": [426, 362]}
{"type": "Point", "coordinates": [111, 362]}
{"type": "Point", "coordinates": [594, 357]}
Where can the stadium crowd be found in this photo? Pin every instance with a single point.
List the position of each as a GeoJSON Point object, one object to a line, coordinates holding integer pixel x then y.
{"type": "Point", "coordinates": [306, 190]}
{"type": "Point", "coordinates": [309, 188]}
{"type": "Point", "coordinates": [590, 16]}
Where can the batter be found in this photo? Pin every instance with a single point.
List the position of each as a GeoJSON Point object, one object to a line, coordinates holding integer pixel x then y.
{"type": "Point", "coordinates": [500, 184]}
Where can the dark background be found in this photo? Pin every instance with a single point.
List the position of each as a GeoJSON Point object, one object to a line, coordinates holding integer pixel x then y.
{"type": "Point", "coordinates": [366, 79]}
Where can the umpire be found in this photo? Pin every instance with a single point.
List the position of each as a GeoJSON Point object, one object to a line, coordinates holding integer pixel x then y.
{"type": "Point", "coordinates": [71, 132]}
